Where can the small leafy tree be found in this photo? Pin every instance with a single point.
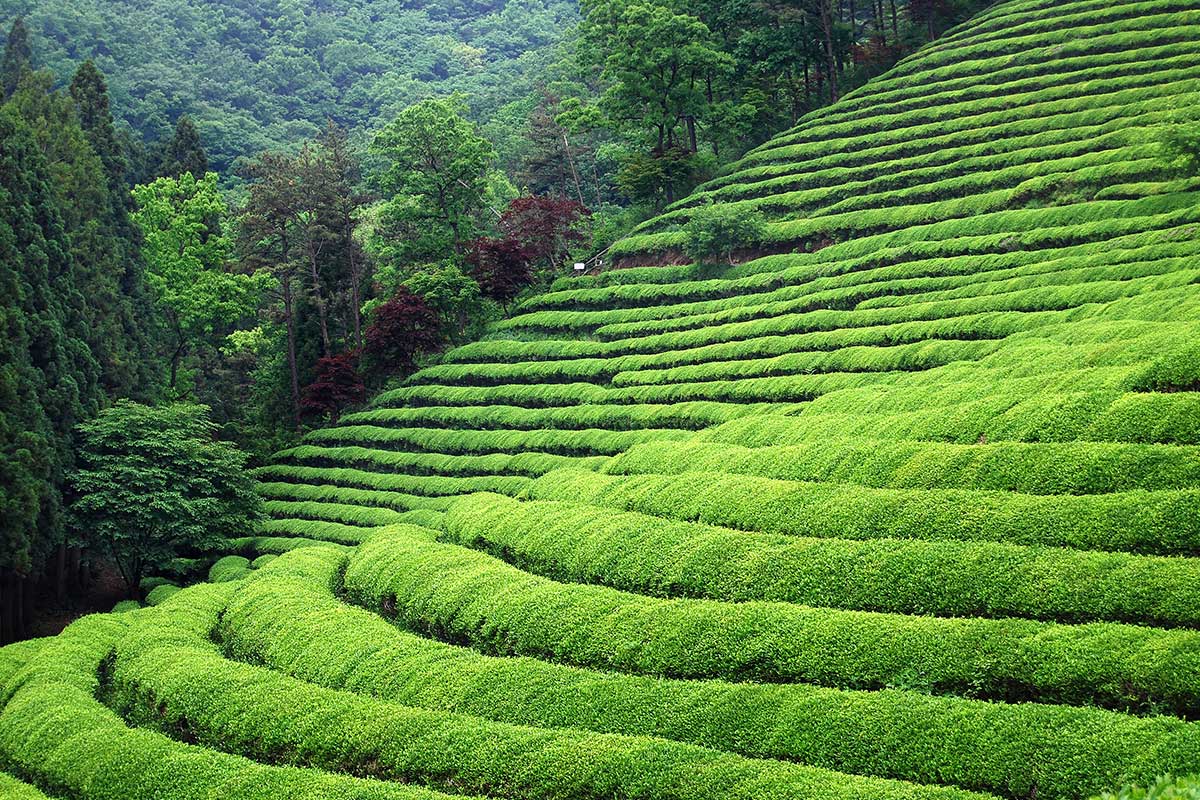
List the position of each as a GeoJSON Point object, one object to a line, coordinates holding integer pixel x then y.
{"type": "Point", "coordinates": [455, 297]}
{"type": "Point", "coordinates": [716, 231]}
{"type": "Point", "coordinates": [501, 266]}
{"type": "Point", "coordinates": [337, 384]}
{"type": "Point", "coordinates": [1181, 149]}
{"type": "Point", "coordinates": [403, 328]}
{"type": "Point", "coordinates": [153, 483]}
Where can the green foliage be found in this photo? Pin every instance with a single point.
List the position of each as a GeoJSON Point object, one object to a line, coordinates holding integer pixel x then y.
{"type": "Point", "coordinates": [456, 298]}
{"type": "Point", "coordinates": [265, 77]}
{"type": "Point", "coordinates": [1181, 149]}
{"type": "Point", "coordinates": [718, 231]}
{"type": "Point", "coordinates": [131, 452]}
{"type": "Point", "coordinates": [435, 179]}
{"type": "Point", "coordinates": [651, 556]}
{"type": "Point", "coordinates": [185, 153]}
{"type": "Point", "coordinates": [18, 58]}
{"type": "Point", "coordinates": [187, 254]}
{"type": "Point", "coordinates": [49, 376]}
{"type": "Point", "coordinates": [1165, 788]}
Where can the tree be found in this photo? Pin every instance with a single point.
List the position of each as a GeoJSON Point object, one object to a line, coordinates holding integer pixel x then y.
{"type": "Point", "coordinates": [268, 234]}
{"type": "Point", "coordinates": [1180, 143]}
{"type": "Point", "coordinates": [716, 231]}
{"type": "Point", "coordinates": [18, 58]}
{"type": "Point", "coordinates": [501, 267]}
{"type": "Point", "coordinates": [153, 483]}
{"type": "Point", "coordinates": [435, 179]}
{"type": "Point", "coordinates": [90, 92]}
{"type": "Point", "coordinates": [185, 152]}
{"type": "Point", "coordinates": [48, 375]}
{"type": "Point", "coordinates": [549, 229]}
{"type": "Point", "coordinates": [115, 316]}
{"type": "Point", "coordinates": [187, 255]}
{"type": "Point", "coordinates": [455, 297]}
{"type": "Point", "coordinates": [403, 329]}
{"type": "Point", "coordinates": [337, 384]}
{"type": "Point", "coordinates": [659, 65]}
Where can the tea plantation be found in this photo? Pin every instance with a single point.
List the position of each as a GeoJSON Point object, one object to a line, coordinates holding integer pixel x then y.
{"type": "Point", "coordinates": [906, 504]}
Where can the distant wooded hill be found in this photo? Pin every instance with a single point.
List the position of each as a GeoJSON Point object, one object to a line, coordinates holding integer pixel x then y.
{"type": "Point", "coordinates": [257, 74]}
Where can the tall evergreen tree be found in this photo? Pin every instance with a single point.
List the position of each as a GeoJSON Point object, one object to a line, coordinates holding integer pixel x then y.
{"type": "Point", "coordinates": [136, 308]}
{"type": "Point", "coordinates": [90, 92]}
{"type": "Point", "coordinates": [185, 152]}
{"type": "Point", "coordinates": [18, 57]}
{"type": "Point", "coordinates": [48, 377]}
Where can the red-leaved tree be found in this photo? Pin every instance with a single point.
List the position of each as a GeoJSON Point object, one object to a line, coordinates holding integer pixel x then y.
{"type": "Point", "coordinates": [547, 227]}
{"type": "Point", "coordinates": [337, 384]}
{"type": "Point", "coordinates": [402, 329]}
{"type": "Point", "coordinates": [501, 267]}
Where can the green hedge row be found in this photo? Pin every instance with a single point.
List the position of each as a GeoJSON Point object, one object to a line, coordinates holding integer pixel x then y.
{"type": "Point", "coordinates": [162, 679]}
{"type": "Point", "coordinates": [874, 283]}
{"type": "Point", "coordinates": [647, 555]}
{"type": "Point", "coordinates": [1137, 521]}
{"type": "Point", "coordinates": [1042, 468]}
{"type": "Point", "coordinates": [898, 188]}
{"type": "Point", "coordinates": [592, 441]}
{"type": "Point", "coordinates": [332, 532]}
{"type": "Point", "coordinates": [913, 357]}
{"type": "Point", "coordinates": [413, 485]}
{"type": "Point", "coordinates": [1070, 69]}
{"type": "Point", "coordinates": [988, 212]}
{"type": "Point", "coordinates": [683, 415]}
{"type": "Point", "coordinates": [368, 499]}
{"type": "Point", "coordinates": [970, 413]}
{"type": "Point", "coordinates": [968, 118]}
{"type": "Point", "coordinates": [14, 789]}
{"type": "Point", "coordinates": [228, 568]}
{"type": "Point", "coordinates": [467, 596]}
{"type": "Point", "coordinates": [436, 464]}
{"type": "Point", "coordinates": [288, 619]}
{"type": "Point", "coordinates": [54, 732]}
{"type": "Point", "coordinates": [333, 512]}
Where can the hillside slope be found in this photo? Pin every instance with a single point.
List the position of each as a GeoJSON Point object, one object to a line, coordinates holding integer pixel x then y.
{"type": "Point", "coordinates": [906, 509]}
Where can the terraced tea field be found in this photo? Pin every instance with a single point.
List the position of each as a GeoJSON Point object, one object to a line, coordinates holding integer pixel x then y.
{"type": "Point", "coordinates": [906, 506]}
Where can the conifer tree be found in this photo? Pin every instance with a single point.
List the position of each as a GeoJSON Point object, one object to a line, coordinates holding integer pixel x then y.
{"type": "Point", "coordinates": [48, 379]}
{"type": "Point", "coordinates": [90, 92]}
{"type": "Point", "coordinates": [135, 308]}
{"type": "Point", "coordinates": [18, 57]}
{"type": "Point", "coordinates": [185, 152]}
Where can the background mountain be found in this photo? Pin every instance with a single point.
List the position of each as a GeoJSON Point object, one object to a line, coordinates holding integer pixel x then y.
{"type": "Point", "coordinates": [260, 75]}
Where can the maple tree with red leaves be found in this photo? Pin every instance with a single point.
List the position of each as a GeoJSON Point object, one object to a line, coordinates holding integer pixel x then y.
{"type": "Point", "coordinates": [337, 384]}
{"type": "Point", "coordinates": [501, 266]}
{"type": "Point", "coordinates": [403, 328]}
{"type": "Point", "coordinates": [547, 227]}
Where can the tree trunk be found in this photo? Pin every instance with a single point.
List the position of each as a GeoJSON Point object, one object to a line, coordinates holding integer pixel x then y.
{"type": "Point", "coordinates": [7, 608]}
{"type": "Point", "coordinates": [319, 302]}
{"type": "Point", "coordinates": [19, 610]}
{"type": "Point", "coordinates": [60, 573]}
{"type": "Point", "coordinates": [574, 172]}
{"type": "Point", "coordinates": [356, 285]}
{"type": "Point", "coordinates": [289, 317]}
{"type": "Point", "coordinates": [691, 128]}
{"type": "Point", "coordinates": [830, 58]}
{"type": "Point", "coordinates": [75, 570]}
